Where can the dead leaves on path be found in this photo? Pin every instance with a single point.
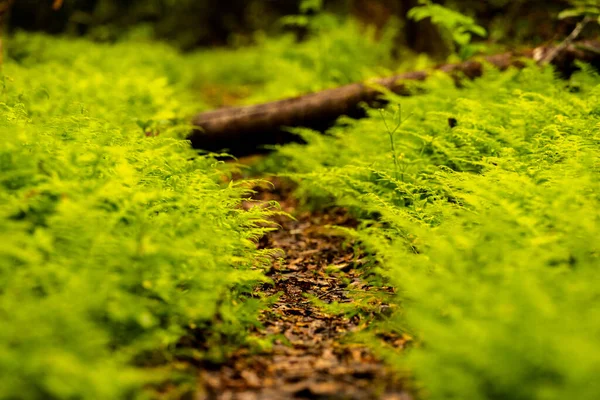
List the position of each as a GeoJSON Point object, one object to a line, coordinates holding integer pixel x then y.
{"type": "Point", "coordinates": [310, 358]}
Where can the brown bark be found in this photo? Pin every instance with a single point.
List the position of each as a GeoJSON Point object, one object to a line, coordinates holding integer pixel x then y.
{"type": "Point", "coordinates": [241, 130]}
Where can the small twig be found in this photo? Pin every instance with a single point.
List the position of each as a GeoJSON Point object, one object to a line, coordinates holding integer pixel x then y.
{"type": "Point", "coordinates": [589, 49]}
{"type": "Point", "coordinates": [327, 293]}
{"type": "Point", "coordinates": [548, 58]}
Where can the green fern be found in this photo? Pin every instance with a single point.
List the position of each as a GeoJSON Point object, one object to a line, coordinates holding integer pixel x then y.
{"type": "Point", "coordinates": [459, 27]}
{"type": "Point", "coordinates": [490, 238]}
{"type": "Point", "coordinates": [115, 244]}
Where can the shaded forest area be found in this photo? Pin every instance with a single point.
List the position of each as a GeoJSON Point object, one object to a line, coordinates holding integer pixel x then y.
{"type": "Point", "coordinates": [189, 24]}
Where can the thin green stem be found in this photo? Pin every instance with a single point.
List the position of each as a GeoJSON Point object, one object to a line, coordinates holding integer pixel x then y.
{"type": "Point", "coordinates": [391, 133]}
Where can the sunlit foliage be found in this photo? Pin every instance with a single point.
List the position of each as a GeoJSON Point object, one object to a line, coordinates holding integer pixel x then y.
{"type": "Point", "coordinates": [484, 216]}
{"type": "Point", "coordinates": [117, 240]}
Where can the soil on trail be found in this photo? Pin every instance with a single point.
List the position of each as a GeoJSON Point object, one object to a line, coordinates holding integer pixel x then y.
{"type": "Point", "coordinates": [311, 361]}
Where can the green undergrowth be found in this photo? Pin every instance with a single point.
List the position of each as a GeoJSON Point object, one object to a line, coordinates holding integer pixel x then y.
{"type": "Point", "coordinates": [337, 53]}
{"type": "Point", "coordinates": [118, 242]}
{"type": "Point", "coordinates": [482, 211]}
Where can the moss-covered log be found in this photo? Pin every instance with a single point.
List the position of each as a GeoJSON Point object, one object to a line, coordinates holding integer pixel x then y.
{"type": "Point", "coordinates": [241, 130]}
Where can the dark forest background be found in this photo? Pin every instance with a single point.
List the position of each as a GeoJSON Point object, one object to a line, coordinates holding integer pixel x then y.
{"type": "Point", "coordinates": [189, 24]}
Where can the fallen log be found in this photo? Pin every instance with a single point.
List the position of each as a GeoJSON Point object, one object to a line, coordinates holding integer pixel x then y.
{"type": "Point", "coordinates": [242, 130]}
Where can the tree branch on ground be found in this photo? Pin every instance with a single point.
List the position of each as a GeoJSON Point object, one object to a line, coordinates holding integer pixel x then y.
{"type": "Point", "coordinates": [241, 130]}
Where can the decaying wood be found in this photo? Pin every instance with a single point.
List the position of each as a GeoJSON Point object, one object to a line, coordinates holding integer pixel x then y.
{"type": "Point", "coordinates": [241, 130]}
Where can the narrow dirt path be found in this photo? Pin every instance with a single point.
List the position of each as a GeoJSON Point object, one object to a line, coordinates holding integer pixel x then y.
{"type": "Point", "coordinates": [311, 360]}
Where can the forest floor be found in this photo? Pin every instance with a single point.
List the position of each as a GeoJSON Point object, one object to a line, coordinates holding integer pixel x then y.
{"type": "Point", "coordinates": [313, 359]}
